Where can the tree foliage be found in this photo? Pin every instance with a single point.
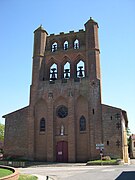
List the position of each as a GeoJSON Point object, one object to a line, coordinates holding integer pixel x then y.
{"type": "Point", "coordinates": [2, 126]}
{"type": "Point", "coordinates": [128, 139]}
{"type": "Point", "coordinates": [128, 132]}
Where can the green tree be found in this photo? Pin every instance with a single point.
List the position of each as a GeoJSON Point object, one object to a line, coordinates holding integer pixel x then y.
{"type": "Point", "coordinates": [128, 139]}
{"type": "Point", "coordinates": [128, 132]}
{"type": "Point", "coordinates": [2, 132]}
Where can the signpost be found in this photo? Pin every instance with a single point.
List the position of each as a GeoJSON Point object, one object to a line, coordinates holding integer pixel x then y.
{"type": "Point", "coordinates": [100, 147]}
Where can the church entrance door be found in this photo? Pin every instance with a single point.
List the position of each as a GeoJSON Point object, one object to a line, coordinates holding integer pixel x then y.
{"type": "Point", "coordinates": [62, 151]}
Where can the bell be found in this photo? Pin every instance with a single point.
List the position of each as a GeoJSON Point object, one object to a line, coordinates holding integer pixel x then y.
{"type": "Point", "coordinates": [80, 71]}
{"type": "Point", "coordinates": [53, 74]}
{"type": "Point", "coordinates": [67, 74]}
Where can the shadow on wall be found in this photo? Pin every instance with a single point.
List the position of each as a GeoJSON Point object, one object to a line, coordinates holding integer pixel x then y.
{"type": "Point", "coordinates": [126, 175]}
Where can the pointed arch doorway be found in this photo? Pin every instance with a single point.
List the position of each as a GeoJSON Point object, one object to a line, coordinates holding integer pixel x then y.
{"type": "Point", "coordinates": [62, 151]}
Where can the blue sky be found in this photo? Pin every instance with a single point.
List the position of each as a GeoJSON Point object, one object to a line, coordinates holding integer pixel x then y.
{"type": "Point", "coordinates": [116, 19]}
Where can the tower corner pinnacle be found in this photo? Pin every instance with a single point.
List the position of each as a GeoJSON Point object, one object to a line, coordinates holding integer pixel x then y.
{"type": "Point", "coordinates": [40, 28]}
{"type": "Point", "coordinates": [91, 21]}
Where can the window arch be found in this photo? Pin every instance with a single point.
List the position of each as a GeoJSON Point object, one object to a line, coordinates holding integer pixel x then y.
{"type": "Point", "coordinates": [53, 72]}
{"type": "Point", "coordinates": [76, 44]}
{"type": "Point", "coordinates": [67, 70]}
{"type": "Point", "coordinates": [82, 123]}
{"type": "Point", "coordinates": [65, 45]}
{"type": "Point", "coordinates": [80, 69]}
{"type": "Point", "coordinates": [54, 47]}
{"type": "Point", "coordinates": [42, 125]}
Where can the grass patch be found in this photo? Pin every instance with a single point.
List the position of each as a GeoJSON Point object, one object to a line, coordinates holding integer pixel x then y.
{"type": "Point", "coordinates": [5, 172]}
{"type": "Point", "coordinates": [27, 177]}
{"type": "Point", "coordinates": [103, 162]}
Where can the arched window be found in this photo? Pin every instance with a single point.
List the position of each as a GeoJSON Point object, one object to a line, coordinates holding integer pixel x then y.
{"type": "Point", "coordinates": [42, 124]}
{"type": "Point", "coordinates": [67, 70]}
{"type": "Point", "coordinates": [80, 69]}
{"type": "Point", "coordinates": [53, 72]}
{"type": "Point", "coordinates": [54, 47]}
{"type": "Point", "coordinates": [82, 123]}
{"type": "Point", "coordinates": [76, 44]}
{"type": "Point", "coordinates": [65, 45]}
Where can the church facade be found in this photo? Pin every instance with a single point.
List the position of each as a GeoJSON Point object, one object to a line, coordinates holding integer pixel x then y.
{"type": "Point", "coordinates": [65, 120]}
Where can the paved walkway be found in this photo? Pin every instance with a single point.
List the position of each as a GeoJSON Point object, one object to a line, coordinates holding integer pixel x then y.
{"type": "Point", "coordinates": [69, 171]}
{"type": "Point", "coordinates": [49, 165]}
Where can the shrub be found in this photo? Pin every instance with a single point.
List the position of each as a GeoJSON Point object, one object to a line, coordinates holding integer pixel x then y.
{"type": "Point", "coordinates": [106, 158]}
{"type": "Point", "coordinates": [100, 162]}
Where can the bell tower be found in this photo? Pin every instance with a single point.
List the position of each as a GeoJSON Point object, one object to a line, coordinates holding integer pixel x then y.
{"type": "Point", "coordinates": [65, 120]}
{"type": "Point", "coordinates": [66, 84]}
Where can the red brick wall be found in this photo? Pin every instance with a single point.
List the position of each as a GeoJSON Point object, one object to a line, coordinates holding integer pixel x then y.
{"type": "Point", "coordinates": [15, 142]}
{"type": "Point", "coordinates": [112, 131]}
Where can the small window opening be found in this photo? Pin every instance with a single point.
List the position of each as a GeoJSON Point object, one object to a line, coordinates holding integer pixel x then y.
{"type": "Point", "coordinates": [82, 123]}
{"type": "Point", "coordinates": [111, 117]}
{"type": "Point", "coordinates": [67, 70]}
{"type": "Point", "coordinates": [107, 143]}
{"type": "Point", "coordinates": [54, 47]}
{"type": "Point", "coordinates": [80, 69]}
{"type": "Point", "coordinates": [76, 44]}
{"type": "Point", "coordinates": [42, 124]}
{"type": "Point", "coordinates": [65, 45]}
{"type": "Point", "coordinates": [53, 72]}
{"type": "Point", "coordinates": [93, 111]}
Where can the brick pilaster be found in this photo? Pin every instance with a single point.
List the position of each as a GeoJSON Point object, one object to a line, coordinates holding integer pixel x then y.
{"type": "Point", "coordinates": [50, 139]}
{"type": "Point", "coordinates": [71, 131]}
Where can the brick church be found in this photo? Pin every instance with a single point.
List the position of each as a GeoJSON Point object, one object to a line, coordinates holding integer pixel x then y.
{"type": "Point", "coordinates": [65, 120]}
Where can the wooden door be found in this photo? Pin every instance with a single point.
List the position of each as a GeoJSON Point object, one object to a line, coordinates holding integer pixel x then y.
{"type": "Point", "coordinates": [62, 151]}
